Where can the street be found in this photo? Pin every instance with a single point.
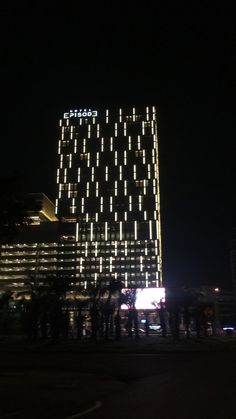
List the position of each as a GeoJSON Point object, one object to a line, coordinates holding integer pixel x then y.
{"type": "Point", "coordinates": [67, 385]}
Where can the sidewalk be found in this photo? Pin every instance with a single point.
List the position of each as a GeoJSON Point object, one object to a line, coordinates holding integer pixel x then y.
{"type": "Point", "coordinates": [146, 345]}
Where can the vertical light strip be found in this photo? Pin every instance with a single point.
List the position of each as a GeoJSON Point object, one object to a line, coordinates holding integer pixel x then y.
{"type": "Point", "coordinates": [140, 203]}
{"type": "Point", "coordinates": [120, 230]}
{"type": "Point", "coordinates": [102, 144]}
{"type": "Point", "coordinates": [125, 187]}
{"type": "Point", "coordinates": [139, 143]}
{"type": "Point", "coordinates": [153, 156]}
{"type": "Point", "coordinates": [120, 115]}
{"type": "Point", "coordinates": [143, 128]}
{"type": "Point", "coordinates": [120, 173]}
{"type": "Point", "coordinates": [125, 158]}
{"type": "Point", "coordinates": [153, 132]}
{"type": "Point", "coordinates": [69, 191]}
{"type": "Point", "coordinates": [126, 248]}
{"type": "Point", "coordinates": [75, 146]}
{"type": "Point", "coordinates": [97, 191]}
{"type": "Point", "coordinates": [146, 277]}
{"type": "Point", "coordinates": [146, 250]}
{"type": "Point", "coordinates": [135, 230]}
{"type": "Point", "coordinates": [81, 264]}
{"type": "Point", "coordinates": [106, 231]}
{"type": "Point", "coordinates": [78, 174]}
{"type": "Point", "coordinates": [111, 144]}
{"type": "Point", "coordinates": [134, 169]}
{"type": "Point", "coordinates": [130, 203]}
{"type": "Point", "coordinates": [157, 229]}
{"type": "Point", "coordinates": [115, 187]}
{"type": "Point", "coordinates": [97, 159]}
{"type": "Point", "coordinates": [115, 158]}
{"type": "Point", "coordinates": [100, 263]}
{"type": "Point", "coordinates": [77, 232]}
{"type": "Point", "coordinates": [107, 116]}
{"type": "Point", "coordinates": [144, 187]}
{"type": "Point", "coordinates": [101, 204]}
{"type": "Point", "coordinates": [129, 142]}
{"type": "Point", "coordinates": [91, 232]}
{"type": "Point", "coordinates": [125, 129]}
{"type": "Point", "coordinates": [126, 280]}
{"type": "Point", "coordinates": [86, 249]}
{"type": "Point", "coordinates": [111, 204]}
{"type": "Point", "coordinates": [111, 263]}
{"type": "Point", "coordinates": [92, 174]}
{"type": "Point", "coordinates": [116, 128]}
{"type": "Point", "coordinates": [96, 249]}
{"type": "Point", "coordinates": [141, 264]}
{"type": "Point", "coordinates": [154, 186]}
{"type": "Point", "coordinates": [150, 229]}
{"type": "Point", "coordinates": [82, 205]}
{"type": "Point", "coordinates": [144, 157]}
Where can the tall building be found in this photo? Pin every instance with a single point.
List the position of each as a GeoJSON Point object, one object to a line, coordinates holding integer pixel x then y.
{"type": "Point", "coordinates": [108, 200]}
{"type": "Point", "coordinates": [32, 254]}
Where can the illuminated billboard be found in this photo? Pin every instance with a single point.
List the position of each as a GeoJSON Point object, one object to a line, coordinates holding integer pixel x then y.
{"type": "Point", "coordinates": [146, 298]}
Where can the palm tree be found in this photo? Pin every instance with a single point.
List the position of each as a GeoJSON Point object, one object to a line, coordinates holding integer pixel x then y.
{"type": "Point", "coordinates": [130, 296]}
{"type": "Point", "coordinates": [112, 289]}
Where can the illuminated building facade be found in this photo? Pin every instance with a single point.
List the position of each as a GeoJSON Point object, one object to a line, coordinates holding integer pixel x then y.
{"type": "Point", "coordinates": [33, 254]}
{"type": "Point", "coordinates": [108, 196]}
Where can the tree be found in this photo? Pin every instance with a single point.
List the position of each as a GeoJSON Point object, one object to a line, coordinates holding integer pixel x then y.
{"type": "Point", "coordinates": [112, 289]}
{"type": "Point", "coordinates": [130, 296]}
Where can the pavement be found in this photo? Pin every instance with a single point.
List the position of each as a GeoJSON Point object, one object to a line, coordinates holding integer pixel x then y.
{"type": "Point", "coordinates": [152, 378]}
{"type": "Point", "coordinates": [151, 344]}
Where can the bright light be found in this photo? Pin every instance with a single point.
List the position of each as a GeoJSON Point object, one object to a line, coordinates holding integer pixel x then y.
{"type": "Point", "coordinates": [146, 298]}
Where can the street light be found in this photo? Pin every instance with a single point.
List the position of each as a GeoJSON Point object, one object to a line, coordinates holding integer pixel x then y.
{"type": "Point", "coordinates": [216, 312]}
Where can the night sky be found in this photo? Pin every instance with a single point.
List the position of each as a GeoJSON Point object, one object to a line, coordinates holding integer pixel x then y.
{"type": "Point", "coordinates": [183, 61]}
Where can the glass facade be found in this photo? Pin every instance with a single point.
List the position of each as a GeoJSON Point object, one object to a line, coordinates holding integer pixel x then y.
{"type": "Point", "coordinates": [108, 195]}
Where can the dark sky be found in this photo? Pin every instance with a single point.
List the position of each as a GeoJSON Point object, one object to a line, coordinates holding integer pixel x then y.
{"type": "Point", "coordinates": [182, 60]}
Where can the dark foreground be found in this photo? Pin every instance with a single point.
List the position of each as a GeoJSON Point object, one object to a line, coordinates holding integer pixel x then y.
{"type": "Point", "coordinates": [108, 381]}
